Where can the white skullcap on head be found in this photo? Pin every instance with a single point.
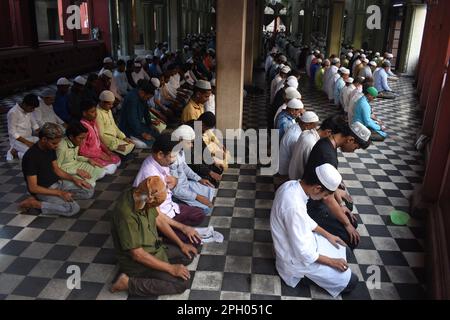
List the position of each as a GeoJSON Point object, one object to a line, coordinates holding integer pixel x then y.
{"type": "Point", "coordinates": [292, 78]}
{"type": "Point", "coordinates": [48, 93]}
{"type": "Point", "coordinates": [184, 132]}
{"type": "Point", "coordinates": [107, 73]}
{"type": "Point", "coordinates": [274, 50]}
{"type": "Point", "coordinates": [155, 82]}
{"type": "Point", "coordinates": [286, 69]}
{"type": "Point", "coordinates": [309, 117]}
{"type": "Point", "coordinates": [377, 54]}
{"type": "Point", "coordinates": [335, 60]}
{"type": "Point", "coordinates": [350, 80]}
{"type": "Point", "coordinates": [373, 63]}
{"type": "Point", "coordinates": [202, 84]}
{"type": "Point", "coordinates": [293, 83]}
{"type": "Point", "coordinates": [344, 70]}
{"type": "Point", "coordinates": [329, 176]}
{"type": "Point", "coordinates": [283, 59]}
{"type": "Point", "coordinates": [138, 65]}
{"type": "Point", "coordinates": [107, 96]}
{"type": "Point", "coordinates": [316, 51]}
{"type": "Point", "coordinates": [390, 56]}
{"type": "Point", "coordinates": [361, 131]}
{"type": "Point", "coordinates": [319, 61]}
{"type": "Point", "coordinates": [80, 80]}
{"type": "Point", "coordinates": [350, 55]}
{"type": "Point", "coordinates": [292, 93]}
{"type": "Point", "coordinates": [358, 62]}
{"type": "Point", "coordinates": [366, 60]}
{"type": "Point", "coordinates": [63, 82]}
{"type": "Point", "coordinates": [213, 82]}
{"type": "Point", "coordinates": [363, 56]}
{"type": "Point", "coordinates": [149, 57]}
{"type": "Point", "coordinates": [295, 104]}
{"type": "Point", "coordinates": [107, 60]}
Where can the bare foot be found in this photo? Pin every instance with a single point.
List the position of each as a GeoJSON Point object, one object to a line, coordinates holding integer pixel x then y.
{"type": "Point", "coordinates": [121, 284]}
{"type": "Point", "coordinates": [15, 154]}
{"type": "Point", "coordinates": [30, 203]}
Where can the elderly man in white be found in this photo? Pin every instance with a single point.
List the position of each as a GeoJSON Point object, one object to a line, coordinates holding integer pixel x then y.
{"type": "Point", "coordinates": [329, 78]}
{"type": "Point", "coordinates": [45, 113]}
{"type": "Point", "coordinates": [302, 248]}
{"type": "Point", "coordinates": [21, 126]}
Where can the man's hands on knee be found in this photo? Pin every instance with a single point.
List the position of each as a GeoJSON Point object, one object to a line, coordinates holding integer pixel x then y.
{"type": "Point", "coordinates": [180, 271]}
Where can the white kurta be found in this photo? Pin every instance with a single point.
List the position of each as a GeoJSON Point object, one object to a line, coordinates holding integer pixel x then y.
{"type": "Point", "coordinates": [345, 95]}
{"type": "Point", "coordinates": [301, 152]}
{"type": "Point", "coordinates": [329, 79]}
{"type": "Point", "coordinates": [351, 106]}
{"type": "Point", "coordinates": [44, 114]}
{"type": "Point", "coordinates": [210, 105]}
{"type": "Point", "coordinates": [268, 64]}
{"type": "Point", "coordinates": [20, 124]}
{"type": "Point", "coordinates": [273, 87]}
{"type": "Point", "coordinates": [287, 147]}
{"type": "Point", "coordinates": [309, 59]}
{"type": "Point", "coordinates": [141, 75]}
{"type": "Point", "coordinates": [297, 247]}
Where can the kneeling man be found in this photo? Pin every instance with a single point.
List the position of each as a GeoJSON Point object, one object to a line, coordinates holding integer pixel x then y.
{"type": "Point", "coordinates": [303, 249]}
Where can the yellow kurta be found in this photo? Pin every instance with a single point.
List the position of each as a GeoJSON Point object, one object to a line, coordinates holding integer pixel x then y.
{"type": "Point", "coordinates": [192, 111]}
{"type": "Point", "coordinates": [216, 149]}
{"type": "Point", "coordinates": [110, 134]}
{"type": "Point", "coordinates": [70, 162]}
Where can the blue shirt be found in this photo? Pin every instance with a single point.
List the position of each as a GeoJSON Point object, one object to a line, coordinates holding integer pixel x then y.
{"type": "Point", "coordinates": [381, 80]}
{"type": "Point", "coordinates": [135, 118]}
{"type": "Point", "coordinates": [61, 107]}
{"type": "Point", "coordinates": [284, 122]}
{"type": "Point", "coordinates": [155, 70]}
{"type": "Point", "coordinates": [339, 85]}
{"type": "Point", "coordinates": [363, 112]}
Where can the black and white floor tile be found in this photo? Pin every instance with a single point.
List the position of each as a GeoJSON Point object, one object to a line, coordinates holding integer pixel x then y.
{"type": "Point", "coordinates": [35, 251]}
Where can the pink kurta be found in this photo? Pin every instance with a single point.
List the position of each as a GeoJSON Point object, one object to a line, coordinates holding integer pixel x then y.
{"type": "Point", "coordinates": [93, 148]}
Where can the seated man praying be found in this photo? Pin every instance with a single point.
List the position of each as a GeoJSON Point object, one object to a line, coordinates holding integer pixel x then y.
{"type": "Point", "coordinates": [53, 190]}
{"type": "Point", "coordinates": [92, 146]}
{"type": "Point", "coordinates": [149, 267]}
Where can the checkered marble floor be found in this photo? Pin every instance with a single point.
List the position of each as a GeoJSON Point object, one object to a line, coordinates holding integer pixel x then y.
{"type": "Point", "coordinates": [35, 251]}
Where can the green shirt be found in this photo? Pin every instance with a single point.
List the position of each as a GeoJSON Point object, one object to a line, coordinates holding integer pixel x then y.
{"type": "Point", "coordinates": [132, 230]}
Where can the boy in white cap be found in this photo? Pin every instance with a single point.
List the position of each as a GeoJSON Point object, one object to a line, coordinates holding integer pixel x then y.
{"type": "Point", "coordinates": [307, 121]}
{"type": "Point", "coordinates": [287, 118]}
{"type": "Point", "coordinates": [111, 136]}
{"type": "Point", "coordinates": [340, 84]}
{"type": "Point", "coordinates": [191, 188]}
{"type": "Point", "coordinates": [332, 214]}
{"type": "Point", "coordinates": [289, 94]}
{"type": "Point", "coordinates": [302, 247]}
{"type": "Point", "coordinates": [329, 78]}
{"type": "Point", "coordinates": [280, 78]}
{"type": "Point", "coordinates": [345, 94]}
{"type": "Point", "coordinates": [196, 106]}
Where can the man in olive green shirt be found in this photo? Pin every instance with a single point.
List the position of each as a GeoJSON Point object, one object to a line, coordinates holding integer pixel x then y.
{"type": "Point", "coordinates": [149, 267]}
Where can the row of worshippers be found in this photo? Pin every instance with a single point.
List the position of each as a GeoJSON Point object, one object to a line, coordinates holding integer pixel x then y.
{"type": "Point", "coordinates": [352, 95]}
{"type": "Point", "coordinates": [311, 219]}
{"type": "Point", "coordinates": [168, 197]}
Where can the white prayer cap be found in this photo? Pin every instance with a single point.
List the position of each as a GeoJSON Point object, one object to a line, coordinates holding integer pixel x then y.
{"type": "Point", "coordinates": [139, 59]}
{"type": "Point", "coordinates": [149, 57]}
{"type": "Point", "coordinates": [184, 132]}
{"type": "Point", "coordinates": [80, 80]}
{"type": "Point", "coordinates": [335, 61]}
{"type": "Point", "coordinates": [292, 93]}
{"type": "Point", "coordinates": [108, 60]}
{"type": "Point", "coordinates": [293, 83]}
{"type": "Point", "coordinates": [204, 85]}
{"type": "Point", "coordinates": [274, 50]}
{"type": "Point", "coordinates": [48, 93]}
{"type": "Point", "coordinates": [350, 55]}
{"type": "Point", "coordinates": [373, 63]}
{"type": "Point", "coordinates": [63, 82]}
{"type": "Point", "coordinates": [155, 82]}
{"type": "Point", "coordinates": [283, 59]}
{"type": "Point", "coordinates": [107, 96]}
{"type": "Point", "coordinates": [350, 80]}
{"type": "Point", "coordinates": [213, 82]}
{"type": "Point", "coordinates": [309, 117]}
{"type": "Point", "coordinates": [319, 61]}
{"type": "Point", "coordinates": [286, 69]}
{"type": "Point", "coordinates": [186, 46]}
{"type": "Point", "coordinates": [377, 54]}
{"type": "Point", "coordinates": [138, 65]}
{"type": "Point", "coordinates": [361, 131]}
{"type": "Point", "coordinates": [316, 51]}
{"type": "Point", "coordinates": [390, 56]}
{"type": "Point", "coordinates": [363, 56]}
{"type": "Point", "coordinates": [107, 73]}
{"type": "Point", "coordinates": [336, 76]}
{"type": "Point", "coordinates": [295, 104]}
{"type": "Point", "coordinates": [366, 60]}
{"type": "Point", "coordinates": [344, 70]}
{"type": "Point", "coordinates": [292, 78]}
{"type": "Point", "coordinates": [358, 62]}
{"type": "Point", "coordinates": [329, 176]}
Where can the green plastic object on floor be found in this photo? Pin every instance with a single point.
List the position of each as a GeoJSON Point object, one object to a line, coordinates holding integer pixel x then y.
{"type": "Point", "coordinates": [400, 218]}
